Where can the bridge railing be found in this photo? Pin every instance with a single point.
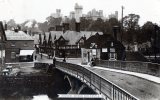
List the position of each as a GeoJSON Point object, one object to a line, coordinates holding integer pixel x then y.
{"type": "Point", "coordinates": [133, 66]}
{"type": "Point", "coordinates": [96, 82]}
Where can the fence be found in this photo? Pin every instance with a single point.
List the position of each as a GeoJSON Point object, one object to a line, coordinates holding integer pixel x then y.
{"type": "Point", "coordinates": [96, 82]}
{"type": "Point", "coordinates": [20, 64]}
{"type": "Point", "coordinates": [133, 66]}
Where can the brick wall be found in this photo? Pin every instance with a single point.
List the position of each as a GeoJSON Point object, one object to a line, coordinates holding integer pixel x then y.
{"type": "Point", "coordinates": [18, 45]}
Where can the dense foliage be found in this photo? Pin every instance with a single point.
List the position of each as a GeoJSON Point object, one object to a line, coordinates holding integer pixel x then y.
{"type": "Point", "coordinates": [132, 31]}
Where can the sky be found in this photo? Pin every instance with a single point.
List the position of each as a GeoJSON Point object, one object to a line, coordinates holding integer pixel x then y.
{"type": "Point", "coordinates": [21, 10]}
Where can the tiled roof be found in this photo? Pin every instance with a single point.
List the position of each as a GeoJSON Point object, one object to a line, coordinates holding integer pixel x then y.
{"type": "Point", "coordinates": [20, 35]}
{"type": "Point", "coordinates": [71, 36]}
{"type": "Point", "coordinates": [54, 34]}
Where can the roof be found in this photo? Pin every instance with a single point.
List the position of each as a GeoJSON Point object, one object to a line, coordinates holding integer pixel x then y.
{"type": "Point", "coordinates": [102, 41]}
{"type": "Point", "coordinates": [71, 36]}
{"type": "Point", "coordinates": [54, 34]}
{"type": "Point", "coordinates": [20, 35]}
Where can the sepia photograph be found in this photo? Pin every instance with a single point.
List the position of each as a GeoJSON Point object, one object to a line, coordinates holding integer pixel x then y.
{"type": "Point", "coordinates": [79, 49]}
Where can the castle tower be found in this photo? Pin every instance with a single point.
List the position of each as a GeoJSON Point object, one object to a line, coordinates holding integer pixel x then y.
{"type": "Point", "coordinates": [58, 12]}
{"type": "Point", "coordinates": [78, 12]}
{"type": "Point", "coordinates": [116, 15]}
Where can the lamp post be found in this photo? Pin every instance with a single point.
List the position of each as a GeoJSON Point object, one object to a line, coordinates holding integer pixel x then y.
{"type": "Point", "coordinates": [122, 25]}
{"type": "Point", "coordinates": [96, 50]}
{"type": "Point", "coordinates": [155, 41]}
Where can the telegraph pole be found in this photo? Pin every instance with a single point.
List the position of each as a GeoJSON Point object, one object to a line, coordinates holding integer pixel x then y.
{"type": "Point", "coordinates": [122, 24]}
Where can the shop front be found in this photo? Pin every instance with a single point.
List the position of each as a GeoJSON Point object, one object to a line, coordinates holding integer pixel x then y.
{"type": "Point", "coordinates": [26, 55]}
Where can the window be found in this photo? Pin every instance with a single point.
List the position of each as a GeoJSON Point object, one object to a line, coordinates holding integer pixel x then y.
{"type": "Point", "coordinates": [13, 55]}
{"type": "Point", "coordinates": [112, 49]}
{"type": "Point", "coordinates": [104, 50]}
{"type": "Point", "coordinates": [13, 44]}
{"type": "Point", "coordinates": [111, 44]}
{"type": "Point", "coordinates": [25, 44]}
{"type": "Point", "coordinates": [94, 52]}
{"type": "Point", "coordinates": [92, 45]}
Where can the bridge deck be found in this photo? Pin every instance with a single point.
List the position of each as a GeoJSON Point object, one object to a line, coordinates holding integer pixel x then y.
{"type": "Point", "coordinates": [139, 87]}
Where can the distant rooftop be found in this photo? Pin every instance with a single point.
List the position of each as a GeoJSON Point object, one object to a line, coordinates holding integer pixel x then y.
{"type": "Point", "coordinates": [71, 36]}
{"type": "Point", "coordinates": [20, 35]}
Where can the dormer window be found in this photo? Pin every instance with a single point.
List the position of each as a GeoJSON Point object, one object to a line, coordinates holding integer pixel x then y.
{"type": "Point", "coordinates": [92, 45]}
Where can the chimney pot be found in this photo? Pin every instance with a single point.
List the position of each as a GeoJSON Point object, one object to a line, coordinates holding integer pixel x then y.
{"type": "Point", "coordinates": [77, 27]}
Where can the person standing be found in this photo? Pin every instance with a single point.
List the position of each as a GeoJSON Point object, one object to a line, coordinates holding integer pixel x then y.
{"type": "Point", "coordinates": [41, 55]}
{"type": "Point", "coordinates": [54, 61]}
{"type": "Point", "coordinates": [35, 56]}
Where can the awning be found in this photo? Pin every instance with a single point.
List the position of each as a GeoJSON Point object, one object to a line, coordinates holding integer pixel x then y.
{"type": "Point", "coordinates": [26, 52]}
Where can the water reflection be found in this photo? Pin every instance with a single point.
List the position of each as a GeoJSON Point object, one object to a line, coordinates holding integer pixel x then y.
{"type": "Point", "coordinates": [33, 87]}
{"type": "Point", "coordinates": [24, 93]}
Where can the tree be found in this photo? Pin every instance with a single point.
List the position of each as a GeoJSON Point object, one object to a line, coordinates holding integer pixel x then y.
{"type": "Point", "coordinates": [113, 22]}
{"type": "Point", "coordinates": [97, 25]}
{"type": "Point", "coordinates": [131, 22]}
{"type": "Point", "coordinates": [11, 24]}
{"type": "Point", "coordinates": [130, 27]}
{"type": "Point", "coordinates": [72, 24]}
{"type": "Point", "coordinates": [43, 26]}
{"type": "Point", "coordinates": [52, 22]}
{"type": "Point", "coordinates": [85, 23]}
{"type": "Point", "coordinates": [147, 31]}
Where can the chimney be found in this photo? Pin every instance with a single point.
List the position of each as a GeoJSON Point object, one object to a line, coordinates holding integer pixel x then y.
{"type": "Point", "coordinates": [5, 26]}
{"type": "Point", "coordinates": [65, 26]}
{"type": "Point", "coordinates": [77, 26]}
{"type": "Point", "coordinates": [59, 28]}
{"type": "Point", "coordinates": [116, 30]}
{"type": "Point", "coordinates": [16, 29]}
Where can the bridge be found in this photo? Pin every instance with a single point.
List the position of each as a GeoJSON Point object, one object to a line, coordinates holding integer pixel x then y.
{"type": "Point", "coordinates": [109, 90]}
{"type": "Point", "coordinates": [113, 85]}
